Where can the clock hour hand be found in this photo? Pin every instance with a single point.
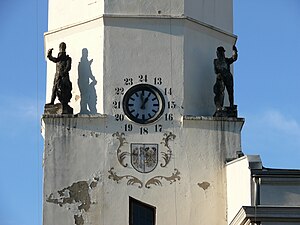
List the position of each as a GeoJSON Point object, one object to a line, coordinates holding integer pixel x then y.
{"type": "Point", "coordinates": [145, 101]}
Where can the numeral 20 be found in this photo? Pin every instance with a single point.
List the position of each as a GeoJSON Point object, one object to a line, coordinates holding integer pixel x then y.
{"type": "Point", "coordinates": [119, 117]}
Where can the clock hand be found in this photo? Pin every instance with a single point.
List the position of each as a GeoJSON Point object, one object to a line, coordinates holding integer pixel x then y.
{"type": "Point", "coordinates": [145, 101]}
{"type": "Point", "coordinates": [142, 100]}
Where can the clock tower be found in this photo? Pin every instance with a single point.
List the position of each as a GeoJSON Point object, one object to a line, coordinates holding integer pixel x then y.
{"type": "Point", "coordinates": [142, 146]}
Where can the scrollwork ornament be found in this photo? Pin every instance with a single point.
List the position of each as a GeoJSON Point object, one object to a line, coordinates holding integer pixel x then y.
{"type": "Point", "coordinates": [131, 180]}
{"type": "Point", "coordinates": [121, 155]}
{"type": "Point", "coordinates": [165, 141]}
{"type": "Point", "coordinates": [157, 179]}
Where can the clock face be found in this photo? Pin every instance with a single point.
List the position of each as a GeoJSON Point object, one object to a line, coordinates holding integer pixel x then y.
{"type": "Point", "coordinates": [143, 103]}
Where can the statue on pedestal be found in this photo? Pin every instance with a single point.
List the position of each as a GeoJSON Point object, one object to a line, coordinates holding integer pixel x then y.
{"type": "Point", "coordinates": [224, 80]}
{"type": "Point", "coordinates": [62, 85]}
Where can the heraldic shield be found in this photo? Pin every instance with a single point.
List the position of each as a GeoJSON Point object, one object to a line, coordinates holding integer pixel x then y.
{"type": "Point", "coordinates": [144, 157]}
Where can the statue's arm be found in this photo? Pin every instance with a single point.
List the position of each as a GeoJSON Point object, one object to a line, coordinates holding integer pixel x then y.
{"type": "Point", "coordinates": [50, 57]}
{"type": "Point", "coordinates": [234, 55]}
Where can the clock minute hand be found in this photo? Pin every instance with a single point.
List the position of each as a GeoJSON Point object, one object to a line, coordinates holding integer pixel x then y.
{"type": "Point", "coordinates": [142, 101]}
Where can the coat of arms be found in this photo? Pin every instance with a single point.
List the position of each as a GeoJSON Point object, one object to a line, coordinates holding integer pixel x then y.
{"type": "Point", "coordinates": [144, 157]}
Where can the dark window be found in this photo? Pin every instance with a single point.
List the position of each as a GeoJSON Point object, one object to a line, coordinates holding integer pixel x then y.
{"type": "Point", "coordinates": [140, 213]}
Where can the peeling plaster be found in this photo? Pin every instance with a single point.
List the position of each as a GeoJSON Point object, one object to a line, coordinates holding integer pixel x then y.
{"type": "Point", "coordinates": [76, 198]}
{"type": "Point", "coordinates": [77, 97]}
{"type": "Point", "coordinates": [204, 185]}
{"type": "Point", "coordinates": [78, 220]}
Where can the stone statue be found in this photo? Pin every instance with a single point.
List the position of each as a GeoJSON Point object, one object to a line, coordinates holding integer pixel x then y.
{"type": "Point", "coordinates": [224, 80]}
{"type": "Point", "coordinates": [62, 85]}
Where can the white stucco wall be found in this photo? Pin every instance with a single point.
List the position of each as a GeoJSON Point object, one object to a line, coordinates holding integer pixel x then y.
{"type": "Point", "coordinates": [136, 7]}
{"type": "Point", "coordinates": [143, 46]}
{"type": "Point", "coordinates": [80, 39]}
{"type": "Point", "coordinates": [84, 179]}
{"type": "Point", "coordinates": [178, 51]}
{"type": "Point", "coordinates": [200, 44]}
{"type": "Point", "coordinates": [239, 194]}
{"type": "Point", "coordinates": [80, 149]}
{"type": "Point", "coordinates": [218, 13]}
{"type": "Point", "coordinates": [69, 12]}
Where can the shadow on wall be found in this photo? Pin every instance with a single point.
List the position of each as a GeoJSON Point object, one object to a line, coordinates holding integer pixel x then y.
{"type": "Point", "coordinates": [86, 84]}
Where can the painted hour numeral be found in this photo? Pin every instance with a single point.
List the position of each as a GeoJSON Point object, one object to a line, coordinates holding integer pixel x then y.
{"type": "Point", "coordinates": [168, 91]}
{"type": "Point", "coordinates": [144, 130]}
{"type": "Point", "coordinates": [158, 128]}
{"type": "Point", "coordinates": [143, 78]}
{"type": "Point", "coordinates": [128, 81]}
{"type": "Point", "coordinates": [119, 91]}
{"type": "Point", "coordinates": [119, 117]}
{"type": "Point", "coordinates": [169, 116]}
{"type": "Point", "coordinates": [157, 80]}
{"type": "Point", "coordinates": [128, 127]}
{"type": "Point", "coordinates": [171, 104]}
{"type": "Point", "coordinates": [117, 104]}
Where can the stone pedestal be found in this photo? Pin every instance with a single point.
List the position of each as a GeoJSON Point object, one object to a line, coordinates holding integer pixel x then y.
{"type": "Point", "coordinates": [227, 112]}
{"type": "Point", "coordinates": [57, 109]}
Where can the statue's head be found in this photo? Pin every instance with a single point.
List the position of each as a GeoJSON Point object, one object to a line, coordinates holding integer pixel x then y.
{"type": "Point", "coordinates": [220, 52]}
{"type": "Point", "coordinates": [62, 47]}
{"type": "Point", "coordinates": [85, 52]}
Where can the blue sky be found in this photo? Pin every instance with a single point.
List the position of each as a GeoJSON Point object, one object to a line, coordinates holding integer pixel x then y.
{"type": "Point", "coordinates": [266, 91]}
{"type": "Point", "coordinates": [267, 79]}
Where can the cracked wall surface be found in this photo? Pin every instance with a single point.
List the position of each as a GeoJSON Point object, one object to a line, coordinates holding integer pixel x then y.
{"type": "Point", "coordinates": [75, 198]}
{"type": "Point", "coordinates": [81, 152]}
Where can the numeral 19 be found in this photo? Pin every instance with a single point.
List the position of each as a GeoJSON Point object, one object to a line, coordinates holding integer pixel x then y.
{"type": "Point", "coordinates": [128, 127]}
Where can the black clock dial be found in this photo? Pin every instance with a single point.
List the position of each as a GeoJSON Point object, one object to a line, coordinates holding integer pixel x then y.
{"type": "Point", "coordinates": [143, 103]}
